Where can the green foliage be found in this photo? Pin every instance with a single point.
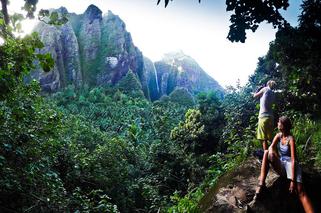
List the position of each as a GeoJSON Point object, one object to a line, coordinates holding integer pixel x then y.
{"type": "Point", "coordinates": [190, 131]}
{"type": "Point", "coordinates": [240, 115]}
{"type": "Point", "coordinates": [95, 201]}
{"type": "Point", "coordinates": [213, 119]}
{"type": "Point", "coordinates": [30, 7]}
{"type": "Point", "coordinates": [128, 133]}
{"type": "Point", "coordinates": [30, 141]}
{"type": "Point", "coordinates": [15, 20]}
{"type": "Point", "coordinates": [99, 163]}
{"type": "Point", "coordinates": [307, 133]}
{"type": "Point", "coordinates": [199, 135]}
{"type": "Point", "coordinates": [130, 85]}
{"type": "Point", "coordinates": [167, 1]}
{"type": "Point", "coordinates": [52, 18]}
{"type": "Point", "coordinates": [111, 150]}
{"type": "Point", "coordinates": [297, 75]}
{"type": "Point", "coordinates": [30, 130]}
{"type": "Point", "coordinates": [17, 57]}
{"type": "Point", "coordinates": [183, 97]}
{"type": "Point", "coordinates": [189, 203]}
{"type": "Point", "coordinates": [247, 15]}
{"type": "Point", "coordinates": [317, 144]}
{"type": "Point", "coordinates": [192, 201]}
{"type": "Point", "coordinates": [202, 129]}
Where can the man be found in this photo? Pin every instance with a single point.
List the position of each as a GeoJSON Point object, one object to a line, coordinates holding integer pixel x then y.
{"type": "Point", "coordinates": [265, 125]}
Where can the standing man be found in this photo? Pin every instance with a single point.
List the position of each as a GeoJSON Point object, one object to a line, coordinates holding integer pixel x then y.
{"type": "Point", "coordinates": [266, 118]}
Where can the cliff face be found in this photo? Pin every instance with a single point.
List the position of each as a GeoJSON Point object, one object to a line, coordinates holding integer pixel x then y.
{"type": "Point", "coordinates": [97, 50]}
{"type": "Point", "coordinates": [62, 44]}
{"type": "Point", "coordinates": [177, 70]}
{"type": "Point", "coordinates": [89, 48]}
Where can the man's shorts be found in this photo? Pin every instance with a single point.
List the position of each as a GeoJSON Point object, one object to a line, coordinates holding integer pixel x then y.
{"type": "Point", "coordinates": [265, 128]}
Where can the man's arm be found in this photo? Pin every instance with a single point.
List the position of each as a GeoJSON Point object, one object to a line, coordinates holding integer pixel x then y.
{"type": "Point", "coordinates": [259, 93]}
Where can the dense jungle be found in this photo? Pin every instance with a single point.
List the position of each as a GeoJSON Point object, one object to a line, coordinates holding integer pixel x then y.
{"type": "Point", "coordinates": [140, 136]}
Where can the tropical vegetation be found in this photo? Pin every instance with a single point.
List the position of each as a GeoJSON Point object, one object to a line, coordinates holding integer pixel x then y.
{"type": "Point", "coordinates": [108, 149]}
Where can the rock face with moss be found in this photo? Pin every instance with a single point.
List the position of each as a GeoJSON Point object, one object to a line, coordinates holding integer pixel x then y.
{"type": "Point", "coordinates": [61, 42]}
{"type": "Point", "coordinates": [177, 70]}
{"type": "Point", "coordinates": [96, 50]}
{"type": "Point", "coordinates": [89, 39]}
{"type": "Point", "coordinates": [91, 49]}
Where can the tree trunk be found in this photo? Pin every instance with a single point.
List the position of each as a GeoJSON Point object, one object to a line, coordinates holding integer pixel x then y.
{"type": "Point", "coordinates": [4, 10]}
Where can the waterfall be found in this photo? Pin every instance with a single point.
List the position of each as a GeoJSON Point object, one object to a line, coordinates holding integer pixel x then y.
{"type": "Point", "coordinates": [155, 71]}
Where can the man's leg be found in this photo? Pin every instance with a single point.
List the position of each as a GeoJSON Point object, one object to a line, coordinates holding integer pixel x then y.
{"type": "Point", "coordinates": [267, 131]}
{"type": "Point", "coordinates": [263, 131]}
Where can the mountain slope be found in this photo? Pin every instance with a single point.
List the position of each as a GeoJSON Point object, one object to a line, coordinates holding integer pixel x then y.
{"type": "Point", "coordinates": [178, 70]}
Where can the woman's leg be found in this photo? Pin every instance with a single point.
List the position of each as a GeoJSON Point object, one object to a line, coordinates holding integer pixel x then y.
{"type": "Point", "coordinates": [275, 162]}
{"type": "Point", "coordinates": [269, 156]}
{"type": "Point", "coordinates": [272, 157]}
{"type": "Point", "coordinates": [305, 200]}
{"type": "Point", "coordinates": [264, 168]}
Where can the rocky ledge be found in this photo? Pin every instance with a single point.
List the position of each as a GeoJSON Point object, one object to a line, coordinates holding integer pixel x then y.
{"type": "Point", "coordinates": [235, 190]}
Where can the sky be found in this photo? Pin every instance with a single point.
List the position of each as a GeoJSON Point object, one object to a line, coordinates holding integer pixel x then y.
{"type": "Point", "coordinates": [197, 29]}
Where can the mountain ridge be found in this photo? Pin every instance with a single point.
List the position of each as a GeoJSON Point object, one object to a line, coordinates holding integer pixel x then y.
{"type": "Point", "coordinates": [96, 49]}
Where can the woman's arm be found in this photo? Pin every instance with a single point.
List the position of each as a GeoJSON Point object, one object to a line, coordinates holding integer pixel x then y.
{"type": "Point", "coordinates": [293, 157]}
{"type": "Point", "coordinates": [275, 141]}
{"type": "Point", "coordinates": [292, 187]}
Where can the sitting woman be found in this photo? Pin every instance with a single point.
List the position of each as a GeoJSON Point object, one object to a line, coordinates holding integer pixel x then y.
{"type": "Point", "coordinates": [281, 154]}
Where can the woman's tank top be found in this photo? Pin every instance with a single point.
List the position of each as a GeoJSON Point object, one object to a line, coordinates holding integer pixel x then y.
{"type": "Point", "coordinates": [284, 149]}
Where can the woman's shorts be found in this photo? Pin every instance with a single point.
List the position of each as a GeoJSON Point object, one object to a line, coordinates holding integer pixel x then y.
{"type": "Point", "coordinates": [287, 168]}
{"type": "Point", "coordinates": [265, 128]}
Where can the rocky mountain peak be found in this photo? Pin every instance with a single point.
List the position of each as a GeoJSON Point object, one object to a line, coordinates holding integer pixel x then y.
{"type": "Point", "coordinates": [183, 62]}
{"type": "Point", "coordinates": [62, 10]}
{"type": "Point", "coordinates": [178, 70]}
{"type": "Point", "coordinates": [111, 14]}
{"type": "Point", "coordinates": [93, 12]}
{"type": "Point", "coordinates": [111, 17]}
{"type": "Point", "coordinates": [176, 56]}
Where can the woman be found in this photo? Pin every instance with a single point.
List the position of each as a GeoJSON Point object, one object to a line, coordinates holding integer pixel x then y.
{"type": "Point", "coordinates": [282, 156]}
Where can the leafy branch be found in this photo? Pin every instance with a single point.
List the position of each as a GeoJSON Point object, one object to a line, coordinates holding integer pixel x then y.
{"type": "Point", "coordinates": [167, 1]}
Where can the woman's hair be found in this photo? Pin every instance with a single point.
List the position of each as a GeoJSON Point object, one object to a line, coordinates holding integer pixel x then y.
{"type": "Point", "coordinates": [271, 84]}
{"type": "Point", "coordinates": [286, 122]}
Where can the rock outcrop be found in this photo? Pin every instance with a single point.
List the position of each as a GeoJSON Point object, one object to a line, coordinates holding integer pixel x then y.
{"type": "Point", "coordinates": [90, 48]}
{"type": "Point", "coordinates": [235, 191]}
{"type": "Point", "coordinates": [62, 44]}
